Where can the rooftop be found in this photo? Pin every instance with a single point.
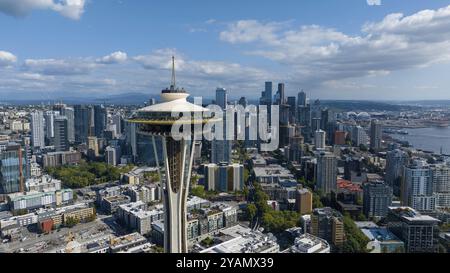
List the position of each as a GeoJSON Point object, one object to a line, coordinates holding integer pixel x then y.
{"type": "Point", "coordinates": [272, 170]}
{"type": "Point", "coordinates": [411, 214]}
{"type": "Point", "coordinates": [308, 243]}
{"type": "Point", "coordinates": [245, 241]}
{"type": "Point", "coordinates": [346, 185]}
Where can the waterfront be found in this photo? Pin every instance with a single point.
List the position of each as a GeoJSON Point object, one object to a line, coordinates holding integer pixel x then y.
{"type": "Point", "coordinates": [429, 139]}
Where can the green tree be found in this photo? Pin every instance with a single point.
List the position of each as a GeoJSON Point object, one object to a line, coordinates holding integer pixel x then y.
{"type": "Point", "coordinates": [198, 191]}
{"type": "Point", "coordinates": [208, 241]}
{"type": "Point", "coordinates": [363, 148]}
{"type": "Point", "coordinates": [316, 202]}
{"type": "Point", "coordinates": [251, 212]}
{"type": "Point", "coordinates": [356, 241]}
{"type": "Point", "coordinates": [71, 222]}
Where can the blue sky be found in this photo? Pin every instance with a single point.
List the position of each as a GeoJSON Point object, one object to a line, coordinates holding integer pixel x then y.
{"type": "Point", "coordinates": [333, 49]}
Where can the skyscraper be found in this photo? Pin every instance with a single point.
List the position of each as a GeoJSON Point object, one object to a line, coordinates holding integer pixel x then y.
{"type": "Point", "coordinates": [268, 93]}
{"type": "Point", "coordinates": [281, 99]}
{"type": "Point", "coordinates": [395, 161]}
{"type": "Point", "coordinates": [82, 123]}
{"type": "Point", "coordinates": [243, 101]}
{"type": "Point", "coordinates": [319, 139]}
{"type": "Point", "coordinates": [37, 129]}
{"type": "Point", "coordinates": [376, 135]}
{"type": "Point", "coordinates": [175, 162]}
{"type": "Point", "coordinates": [49, 117]}
{"type": "Point", "coordinates": [13, 169]}
{"type": "Point", "coordinates": [61, 134]}
{"type": "Point", "coordinates": [326, 172]}
{"type": "Point", "coordinates": [301, 99]}
{"type": "Point", "coordinates": [117, 121]}
{"type": "Point", "coordinates": [100, 120]}
{"type": "Point", "coordinates": [69, 113]}
{"type": "Point", "coordinates": [377, 198]}
{"type": "Point", "coordinates": [221, 149]}
{"type": "Point", "coordinates": [291, 101]}
{"type": "Point", "coordinates": [222, 97]}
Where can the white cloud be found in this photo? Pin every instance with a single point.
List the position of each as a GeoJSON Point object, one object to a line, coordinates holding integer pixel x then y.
{"type": "Point", "coordinates": [210, 71]}
{"type": "Point", "coordinates": [196, 30]}
{"type": "Point", "coordinates": [88, 75]}
{"type": "Point", "coordinates": [374, 2]}
{"type": "Point", "coordinates": [59, 66]}
{"type": "Point", "coordinates": [246, 31]}
{"type": "Point", "coordinates": [7, 58]}
{"type": "Point", "coordinates": [161, 59]}
{"type": "Point", "coordinates": [35, 77]}
{"type": "Point", "coordinates": [72, 9]}
{"type": "Point", "coordinates": [114, 58]}
{"type": "Point", "coordinates": [315, 54]}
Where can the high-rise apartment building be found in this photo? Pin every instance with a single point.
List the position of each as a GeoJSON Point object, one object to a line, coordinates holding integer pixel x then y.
{"type": "Point", "coordinates": [440, 176]}
{"type": "Point", "coordinates": [377, 198]}
{"type": "Point", "coordinates": [417, 231]}
{"type": "Point", "coordinates": [376, 135]}
{"type": "Point", "coordinates": [303, 201]}
{"type": "Point", "coordinates": [395, 161]}
{"type": "Point", "coordinates": [326, 172]}
{"type": "Point", "coordinates": [319, 139]}
{"type": "Point", "coordinates": [326, 223]}
{"type": "Point", "coordinates": [359, 136]}
{"type": "Point", "coordinates": [37, 129]}
{"type": "Point", "coordinates": [417, 187]}
{"type": "Point", "coordinates": [224, 177]}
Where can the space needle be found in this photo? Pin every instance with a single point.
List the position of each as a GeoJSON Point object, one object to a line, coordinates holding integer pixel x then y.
{"type": "Point", "coordinates": [175, 162]}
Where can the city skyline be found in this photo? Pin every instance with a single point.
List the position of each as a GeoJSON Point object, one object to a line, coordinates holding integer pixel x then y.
{"type": "Point", "coordinates": [101, 49]}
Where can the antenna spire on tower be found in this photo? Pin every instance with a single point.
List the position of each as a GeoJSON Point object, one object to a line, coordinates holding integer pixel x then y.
{"type": "Point", "coordinates": [173, 73]}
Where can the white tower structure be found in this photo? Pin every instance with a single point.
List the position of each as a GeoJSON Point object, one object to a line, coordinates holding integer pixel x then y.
{"type": "Point", "coordinates": [175, 162]}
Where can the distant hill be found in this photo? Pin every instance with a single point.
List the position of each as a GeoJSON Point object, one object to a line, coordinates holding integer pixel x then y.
{"type": "Point", "coordinates": [368, 106]}
{"type": "Point", "coordinates": [123, 99]}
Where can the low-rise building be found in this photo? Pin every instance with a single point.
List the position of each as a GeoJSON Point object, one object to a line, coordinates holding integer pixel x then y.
{"type": "Point", "coordinates": [271, 174]}
{"type": "Point", "coordinates": [126, 242]}
{"type": "Point", "coordinates": [244, 240]}
{"type": "Point", "coordinates": [308, 243]}
{"type": "Point", "coordinates": [57, 159]}
{"type": "Point", "coordinates": [135, 216]}
{"type": "Point", "coordinates": [145, 194]}
{"type": "Point", "coordinates": [43, 183]}
{"type": "Point", "coordinates": [381, 239]}
{"type": "Point", "coordinates": [112, 203]}
{"type": "Point", "coordinates": [34, 200]}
